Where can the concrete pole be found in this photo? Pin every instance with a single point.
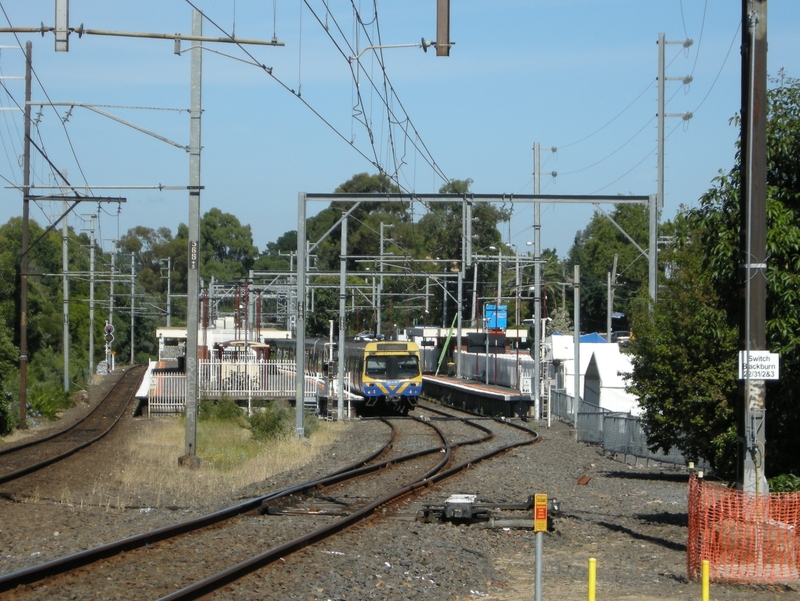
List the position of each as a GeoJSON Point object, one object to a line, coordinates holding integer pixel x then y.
{"type": "Point", "coordinates": [342, 324]}
{"type": "Point", "coordinates": [611, 276]}
{"type": "Point", "coordinates": [576, 342]}
{"type": "Point", "coordinates": [537, 284]}
{"type": "Point", "coordinates": [23, 267]}
{"type": "Point", "coordinates": [65, 293]}
{"type": "Point", "coordinates": [91, 296]}
{"type": "Point", "coordinates": [457, 353]}
{"type": "Point", "coordinates": [380, 268]}
{"type": "Point", "coordinates": [444, 303]}
{"type": "Point", "coordinates": [300, 321]}
{"type": "Point", "coordinates": [193, 275]}
{"type": "Point", "coordinates": [133, 305]}
{"type": "Point", "coordinates": [753, 233]}
{"type": "Point", "coordinates": [111, 300]}
{"type": "Point", "coordinates": [475, 295]}
{"type": "Point", "coordinates": [169, 292]}
{"type": "Point", "coordinates": [657, 202]}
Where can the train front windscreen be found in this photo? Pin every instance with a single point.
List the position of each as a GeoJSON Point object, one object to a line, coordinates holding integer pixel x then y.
{"type": "Point", "coordinates": [392, 367]}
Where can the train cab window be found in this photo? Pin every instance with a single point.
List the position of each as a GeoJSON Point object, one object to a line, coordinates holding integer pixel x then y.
{"type": "Point", "coordinates": [407, 367]}
{"type": "Point", "coordinates": [376, 366]}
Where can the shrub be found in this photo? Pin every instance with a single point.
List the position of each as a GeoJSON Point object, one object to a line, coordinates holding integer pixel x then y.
{"type": "Point", "coordinates": [47, 399]}
{"type": "Point", "coordinates": [310, 424]}
{"type": "Point", "coordinates": [784, 483]}
{"type": "Point", "coordinates": [225, 409]}
{"type": "Point", "coordinates": [8, 417]}
{"type": "Point", "coordinates": [271, 423]}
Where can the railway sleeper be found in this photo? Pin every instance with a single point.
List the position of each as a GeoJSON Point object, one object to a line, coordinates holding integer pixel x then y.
{"type": "Point", "coordinates": [305, 505]}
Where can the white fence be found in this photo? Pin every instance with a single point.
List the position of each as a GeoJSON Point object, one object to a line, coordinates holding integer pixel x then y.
{"type": "Point", "coordinates": [510, 369]}
{"type": "Point", "coordinates": [256, 379]}
{"type": "Point", "coordinates": [167, 393]}
{"type": "Point", "coordinates": [240, 381]}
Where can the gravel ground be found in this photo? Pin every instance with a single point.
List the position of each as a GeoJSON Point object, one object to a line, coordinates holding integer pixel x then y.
{"type": "Point", "coordinates": [632, 519]}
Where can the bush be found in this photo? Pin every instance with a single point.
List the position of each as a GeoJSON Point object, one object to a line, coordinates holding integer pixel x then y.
{"type": "Point", "coordinates": [8, 417]}
{"type": "Point", "coordinates": [310, 424]}
{"type": "Point", "coordinates": [784, 483]}
{"type": "Point", "coordinates": [225, 409]}
{"type": "Point", "coordinates": [271, 423]}
{"type": "Point", "coordinates": [47, 399]}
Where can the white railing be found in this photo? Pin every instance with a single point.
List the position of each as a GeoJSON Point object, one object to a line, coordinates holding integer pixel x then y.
{"type": "Point", "coordinates": [256, 379]}
{"type": "Point", "coordinates": [249, 380]}
{"type": "Point", "coordinates": [167, 393]}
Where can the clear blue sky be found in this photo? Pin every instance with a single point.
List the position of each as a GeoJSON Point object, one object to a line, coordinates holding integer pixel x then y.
{"type": "Point", "coordinates": [577, 75]}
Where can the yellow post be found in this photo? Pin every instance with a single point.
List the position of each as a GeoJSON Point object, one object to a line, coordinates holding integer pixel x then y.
{"type": "Point", "coordinates": [592, 577]}
{"type": "Point", "coordinates": [705, 580]}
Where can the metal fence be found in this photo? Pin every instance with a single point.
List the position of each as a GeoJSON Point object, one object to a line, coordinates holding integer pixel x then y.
{"type": "Point", "coordinates": [240, 381]}
{"type": "Point", "coordinates": [620, 433]}
{"type": "Point", "coordinates": [167, 393]}
{"type": "Point", "coordinates": [254, 379]}
{"type": "Point", "coordinates": [509, 370]}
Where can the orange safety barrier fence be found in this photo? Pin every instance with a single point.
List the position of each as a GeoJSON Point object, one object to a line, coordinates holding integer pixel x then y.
{"type": "Point", "coordinates": [745, 538]}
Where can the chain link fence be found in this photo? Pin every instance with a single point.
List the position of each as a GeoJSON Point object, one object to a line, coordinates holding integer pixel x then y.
{"type": "Point", "coordinates": [619, 433]}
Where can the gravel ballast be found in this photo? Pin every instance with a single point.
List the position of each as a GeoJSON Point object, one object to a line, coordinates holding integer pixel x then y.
{"type": "Point", "coordinates": [632, 519]}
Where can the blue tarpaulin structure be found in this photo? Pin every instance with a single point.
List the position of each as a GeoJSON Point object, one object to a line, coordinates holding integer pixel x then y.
{"type": "Point", "coordinates": [593, 337]}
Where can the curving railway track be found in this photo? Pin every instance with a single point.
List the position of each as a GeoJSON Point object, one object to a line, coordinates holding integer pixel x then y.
{"type": "Point", "coordinates": [192, 559]}
{"type": "Point", "coordinates": [28, 457]}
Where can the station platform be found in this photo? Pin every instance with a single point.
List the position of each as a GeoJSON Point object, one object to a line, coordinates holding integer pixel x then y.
{"type": "Point", "coordinates": [478, 396]}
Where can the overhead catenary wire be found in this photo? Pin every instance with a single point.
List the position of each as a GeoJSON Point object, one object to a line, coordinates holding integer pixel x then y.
{"type": "Point", "coordinates": [286, 87]}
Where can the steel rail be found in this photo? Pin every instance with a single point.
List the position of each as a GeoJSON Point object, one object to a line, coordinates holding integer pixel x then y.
{"type": "Point", "coordinates": [64, 564]}
{"type": "Point", "coordinates": [124, 381]}
{"type": "Point", "coordinates": [208, 585]}
{"type": "Point", "coordinates": [29, 443]}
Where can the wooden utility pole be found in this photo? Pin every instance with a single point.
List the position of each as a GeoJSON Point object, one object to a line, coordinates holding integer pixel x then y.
{"type": "Point", "coordinates": [753, 230]}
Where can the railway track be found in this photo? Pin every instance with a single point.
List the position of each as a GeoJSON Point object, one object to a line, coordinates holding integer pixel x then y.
{"type": "Point", "coordinates": [427, 450]}
{"type": "Point", "coordinates": [28, 457]}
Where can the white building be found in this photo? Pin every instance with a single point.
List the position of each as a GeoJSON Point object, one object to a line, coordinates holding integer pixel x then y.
{"type": "Point", "coordinates": [602, 368]}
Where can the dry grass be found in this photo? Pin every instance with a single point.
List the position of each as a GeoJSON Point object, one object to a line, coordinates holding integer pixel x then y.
{"type": "Point", "coordinates": [149, 474]}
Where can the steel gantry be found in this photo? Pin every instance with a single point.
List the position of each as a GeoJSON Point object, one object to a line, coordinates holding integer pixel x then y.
{"type": "Point", "coordinates": [467, 201]}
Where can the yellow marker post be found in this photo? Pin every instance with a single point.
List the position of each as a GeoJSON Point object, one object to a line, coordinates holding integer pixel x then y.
{"type": "Point", "coordinates": [592, 577]}
{"type": "Point", "coordinates": [539, 526]}
{"type": "Point", "coordinates": [705, 580]}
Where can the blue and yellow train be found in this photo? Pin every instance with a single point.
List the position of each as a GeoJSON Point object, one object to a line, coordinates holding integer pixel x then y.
{"type": "Point", "coordinates": [385, 374]}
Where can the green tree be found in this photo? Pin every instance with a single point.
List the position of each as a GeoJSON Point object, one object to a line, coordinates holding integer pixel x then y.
{"type": "Point", "coordinates": [594, 249]}
{"type": "Point", "coordinates": [684, 360]}
{"type": "Point", "coordinates": [685, 353]}
{"type": "Point", "coordinates": [226, 247]}
{"type": "Point", "coordinates": [441, 238]}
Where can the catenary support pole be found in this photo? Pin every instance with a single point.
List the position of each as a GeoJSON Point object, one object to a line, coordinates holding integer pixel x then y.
{"type": "Point", "coordinates": [133, 307]}
{"type": "Point", "coordinates": [576, 343]}
{"type": "Point", "coordinates": [193, 276]}
{"type": "Point", "coordinates": [91, 295]}
{"type": "Point", "coordinates": [111, 300]}
{"type": "Point", "coordinates": [537, 283]}
{"type": "Point", "coordinates": [342, 324]}
{"type": "Point", "coordinates": [300, 381]}
{"type": "Point", "coordinates": [65, 294]}
{"type": "Point", "coordinates": [23, 268]}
